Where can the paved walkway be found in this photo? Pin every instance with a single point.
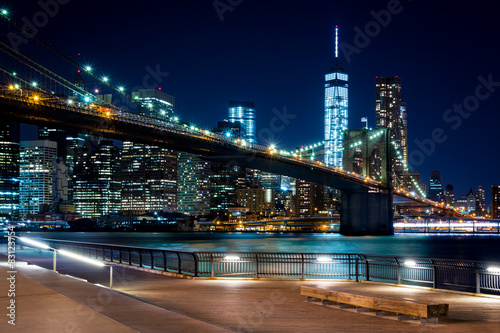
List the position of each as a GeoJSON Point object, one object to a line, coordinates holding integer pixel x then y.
{"type": "Point", "coordinates": [147, 302]}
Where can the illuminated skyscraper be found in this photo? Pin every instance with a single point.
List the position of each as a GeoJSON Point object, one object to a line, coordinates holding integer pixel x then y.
{"type": "Point", "coordinates": [480, 201]}
{"type": "Point", "coordinates": [149, 182]}
{"type": "Point", "coordinates": [309, 198]}
{"type": "Point", "coordinates": [435, 187]}
{"type": "Point", "coordinates": [96, 180]}
{"type": "Point", "coordinates": [149, 179]}
{"type": "Point", "coordinates": [244, 112]}
{"type": "Point", "coordinates": [223, 184]}
{"type": "Point", "coordinates": [35, 173]}
{"type": "Point", "coordinates": [495, 201]}
{"type": "Point", "coordinates": [193, 183]}
{"type": "Point", "coordinates": [391, 113]}
{"type": "Point", "coordinates": [154, 103]}
{"type": "Point", "coordinates": [336, 110]}
{"type": "Point", "coordinates": [449, 194]}
{"type": "Point", "coordinates": [9, 171]}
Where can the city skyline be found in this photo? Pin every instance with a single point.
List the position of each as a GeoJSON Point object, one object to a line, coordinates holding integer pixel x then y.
{"type": "Point", "coordinates": [312, 36]}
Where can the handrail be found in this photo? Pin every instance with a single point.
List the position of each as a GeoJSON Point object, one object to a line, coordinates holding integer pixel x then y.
{"type": "Point", "coordinates": [454, 274]}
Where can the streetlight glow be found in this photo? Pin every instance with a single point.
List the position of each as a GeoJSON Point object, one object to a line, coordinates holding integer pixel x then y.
{"type": "Point", "coordinates": [493, 269]}
{"type": "Point", "coordinates": [410, 263]}
{"type": "Point", "coordinates": [34, 242]}
{"type": "Point", "coordinates": [324, 259]}
{"type": "Point", "coordinates": [79, 257]}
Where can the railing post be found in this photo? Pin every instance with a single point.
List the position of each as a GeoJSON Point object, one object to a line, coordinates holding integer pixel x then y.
{"type": "Point", "coordinates": [211, 265]}
{"type": "Point", "coordinates": [195, 264]}
{"type": "Point", "coordinates": [179, 262]}
{"type": "Point", "coordinates": [164, 261]}
{"type": "Point", "coordinates": [256, 266]}
{"type": "Point", "coordinates": [349, 265]}
{"type": "Point", "coordinates": [140, 258]}
{"type": "Point", "coordinates": [129, 257]}
{"type": "Point", "coordinates": [152, 259]}
{"type": "Point", "coordinates": [399, 270]}
{"type": "Point", "coordinates": [303, 264]}
{"type": "Point", "coordinates": [120, 255]}
{"type": "Point", "coordinates": [434, 275]}
{"type": "Point", "coordinates": [357, 269]}
{"type": "Point", "coordinates": [478, 279]}
{"type": "Point", "coordinates": [367, 270]}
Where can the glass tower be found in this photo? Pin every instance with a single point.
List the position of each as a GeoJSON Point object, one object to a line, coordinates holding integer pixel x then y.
{"type": "Point", "coordinates": [149, 179]}
{"type": "Point", "coordinates": [244, 112]}
{"type": "Point", "coordinates": [96, 178]}
{"type": "Point", "coordinates": [155, 103]}
{"type": "Point", "coordinates": [193, 194]}
{"type": "Point", "coordinates": [435, 186]}
{"type": "Point", "coordinates": [9, 171]}
{"type": "Point", "coordinates": [336, 107]}
{"type": "Point", "coordinates": [149, 182]}
{"type": "Point", "coordinates": [35, 173]}
{"type": "Point", "coordinates": [391, 113]}
{"type": "Point", "coordinates": [495, 201]}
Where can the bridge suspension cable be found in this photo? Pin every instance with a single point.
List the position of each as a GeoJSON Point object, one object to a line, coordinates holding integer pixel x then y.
{"type": "Point", "coordinates": [59, 54]}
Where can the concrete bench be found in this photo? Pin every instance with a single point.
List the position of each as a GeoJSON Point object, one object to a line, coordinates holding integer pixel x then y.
{"type": "Point", "coordinates": [405, 309]}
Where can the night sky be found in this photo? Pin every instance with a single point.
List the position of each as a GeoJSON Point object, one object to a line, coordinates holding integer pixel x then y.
{"type": "Point", "coordinates": [276, 54]}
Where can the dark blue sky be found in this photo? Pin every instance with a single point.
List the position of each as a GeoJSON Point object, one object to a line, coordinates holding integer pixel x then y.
{"type": "Point", "coordinates": [276, 54]}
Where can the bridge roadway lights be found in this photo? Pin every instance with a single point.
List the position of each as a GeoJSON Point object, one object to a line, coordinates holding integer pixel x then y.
{"type": "Point", "coordinates": [366, 213]}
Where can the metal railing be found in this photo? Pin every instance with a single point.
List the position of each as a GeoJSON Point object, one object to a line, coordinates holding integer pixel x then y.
{"type": "Point", "coordinates": [469, 276]}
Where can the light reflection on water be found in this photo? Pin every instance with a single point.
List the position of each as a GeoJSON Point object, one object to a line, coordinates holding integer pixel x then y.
{"type": "Point", "coordinates": [470, 247]}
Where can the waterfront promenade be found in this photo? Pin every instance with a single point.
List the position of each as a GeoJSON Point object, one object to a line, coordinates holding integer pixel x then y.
{"type": "Point", "coordinates": [146, 302]}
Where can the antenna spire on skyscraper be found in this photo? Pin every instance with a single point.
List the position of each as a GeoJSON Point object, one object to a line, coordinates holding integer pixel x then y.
{"type": "Point", "coordinates": [336, 42]}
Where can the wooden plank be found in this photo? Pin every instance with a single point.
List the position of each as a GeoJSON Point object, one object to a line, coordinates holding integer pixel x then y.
{"type": "Point", "coordinates": [403, 306]}
{"type": "Point", "coordinates": [357, 300]}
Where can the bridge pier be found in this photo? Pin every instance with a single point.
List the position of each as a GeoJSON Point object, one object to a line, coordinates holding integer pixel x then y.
{"type": "Point", "coordinates": [366, 213]}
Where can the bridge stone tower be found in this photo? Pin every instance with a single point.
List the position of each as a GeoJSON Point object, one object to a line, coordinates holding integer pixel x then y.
{"type": "Point", "coordinates": [368, 211]}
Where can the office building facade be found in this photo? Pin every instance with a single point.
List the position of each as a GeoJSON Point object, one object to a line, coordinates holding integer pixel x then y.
{"type": "Point", "coordinates": [309, 198]}
{"type": "Point", "coordinates": [35, 174]}
{"type": "Point", "coordinates": [257, 200]}
{"type": "Point", "coordinates": [495, 201]}
{"type": "Point", "coordinates": [435, 187]}
{"type": "Point", "coordinates": [9, 171]}
{"type": "Point", "coordinates": [244, 112]}
{"type": "Point", "coordinates": [449, 194]}
{"type": "Point", "coordinates": [391, 113]}
{"type": "Point", "coordinates": [97, 181]}
{"type": "Point", "coordinates": [193, 185]}
{"type": "Point", "coordinates": [154, 103]}
{"type": "Point", "coordinates": [149, 173]}
{"type": "Point", "coordinates": [480, 201]}
{"type": "Point", "coordinates": [149, 179]}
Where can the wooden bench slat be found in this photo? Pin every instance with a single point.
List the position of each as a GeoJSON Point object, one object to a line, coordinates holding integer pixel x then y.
{"type": "Point", "coordinates": [403, 306]}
